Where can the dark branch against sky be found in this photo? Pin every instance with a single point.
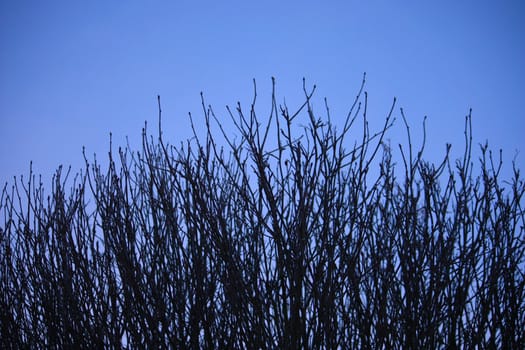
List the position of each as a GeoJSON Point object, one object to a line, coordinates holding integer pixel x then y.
{"type": "Point", "coordinates": [73, 72]}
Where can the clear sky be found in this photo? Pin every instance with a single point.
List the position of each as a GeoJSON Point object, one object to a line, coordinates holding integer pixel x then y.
{"type": "Point", "coordinates": [73, 71]}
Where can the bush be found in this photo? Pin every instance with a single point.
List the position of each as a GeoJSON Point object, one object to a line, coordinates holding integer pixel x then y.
{"type": "Point", "coordinates": [286, 238]}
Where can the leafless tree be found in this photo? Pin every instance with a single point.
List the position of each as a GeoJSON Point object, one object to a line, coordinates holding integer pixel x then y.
{"type": "Point", "coordinates": [286, 236]}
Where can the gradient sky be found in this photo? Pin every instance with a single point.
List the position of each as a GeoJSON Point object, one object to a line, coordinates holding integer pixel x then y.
{"type": "Point", "coordinates": [73, 71]}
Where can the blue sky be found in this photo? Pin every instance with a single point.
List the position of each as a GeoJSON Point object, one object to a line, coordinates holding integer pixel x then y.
{"type": "Point", "coordinates": [72, 71]}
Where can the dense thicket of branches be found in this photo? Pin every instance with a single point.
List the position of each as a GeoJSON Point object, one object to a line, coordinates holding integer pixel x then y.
{"type": "Point", "coordinates": [288, 237]}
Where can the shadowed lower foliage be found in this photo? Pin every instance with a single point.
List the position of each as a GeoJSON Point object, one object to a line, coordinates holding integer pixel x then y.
{"type": "Point", "coordinates": [287, 237]}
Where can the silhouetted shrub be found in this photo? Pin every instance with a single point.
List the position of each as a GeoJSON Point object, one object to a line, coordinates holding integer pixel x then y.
{"type": "Point", "coordinates": [287, 237]}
